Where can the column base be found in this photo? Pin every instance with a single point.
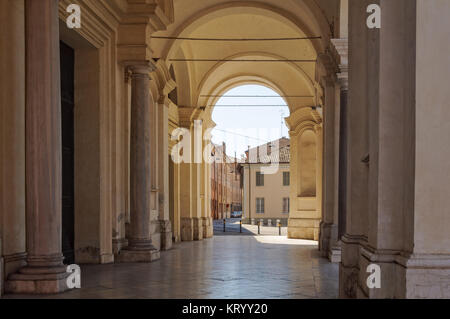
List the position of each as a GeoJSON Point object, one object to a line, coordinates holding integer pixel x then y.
{"type": "Point", "coordinates": [166, 235]}
{"type": "Point", "coordinates": [208, 229]}
{"type": "Point", "coordinates": [325, 238]}
{"type": "Point", "coordinates": [38, 280]}
{"type": "Point", "coordinates": [187, 229]}
{"type": "Point", "coordinates": [348, 281]}
{"type": "Point", "coordinates": [402, 275]}
{"type": "Point", "coordinates": [191, 229]}
{"type": "Point", "coordinates": [198, 228]}
{"type": "Point", "coordinates": [137, 256]}
{"type": "Point", "coordinates": [334, 255]}
{"type": "Point", "coordinates": [92, 255]}
{"type": "Point", "coordinates": [118, 244]}
{"type": "Point", "coordinates": [329, 246]}
{"type": "Point", "coordinates": [139, 250]}
{"type": "Point", "coordinates": [427, 276]}
{"type": "Point", "coordinates": [349, 266]}
{"type": "Point", "coordinates": [302, 228]}
{"type": "Point", "coordinates": [421, 276]}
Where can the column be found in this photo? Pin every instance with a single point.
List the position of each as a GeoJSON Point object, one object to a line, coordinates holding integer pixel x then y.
{"type": "Point", "coordinates": [12, 138]}
{"type": "Point", "coordinates": [140, 248]}
{"type": "Point", "coordinates": [197, 159]}
{"type": "Point", "coordinates": [45, 272]}
{"type": "Point", "coordinates": [174, 197]}
{"type": "Point", "coordinates": [318, 128]}
{"type": "Point", "coordinates": [328, 227]}
{"type": "Point", "coordinates": [306, 171]}
{"type": "Point", "coordinates": [186, 222]}
{"type": "Point", "coordinates": [341, 46]}
{"type": "Point", "coordinates": [206, 185]}
{"type": "Point", "coordinates": [190, 200]}
{"type": "Point", "coordinates": [155, 224]}
{"type": "Point", "coordinates": [163, 180]}
{"type": "Point", "coordinates": [357, 173]}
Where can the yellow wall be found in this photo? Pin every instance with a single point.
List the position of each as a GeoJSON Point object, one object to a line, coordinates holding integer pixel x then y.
{"type": "Point", "coordinates": [273, 192]}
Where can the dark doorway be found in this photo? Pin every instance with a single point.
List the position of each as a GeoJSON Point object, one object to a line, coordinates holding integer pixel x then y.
{"type": "Point", "coordinates": [67, 56]}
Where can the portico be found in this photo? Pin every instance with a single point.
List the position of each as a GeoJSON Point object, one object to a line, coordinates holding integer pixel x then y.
{"type": "Point", "coordinates": [86, 170]}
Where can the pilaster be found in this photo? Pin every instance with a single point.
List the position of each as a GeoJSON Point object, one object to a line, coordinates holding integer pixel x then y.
{"type": "Point", "coordinates": [306, 149]}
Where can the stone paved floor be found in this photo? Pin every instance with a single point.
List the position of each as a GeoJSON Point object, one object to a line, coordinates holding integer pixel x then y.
{"type": "Point", "coordinates": [238, 267]}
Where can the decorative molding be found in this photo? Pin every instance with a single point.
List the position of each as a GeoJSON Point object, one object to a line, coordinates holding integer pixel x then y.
{"type": "Point", "coordinates": [302, 119]}
{"type": "Point", "coordinates": [137, 67]}
{"type": "Point", "coordinates": [341, 47]}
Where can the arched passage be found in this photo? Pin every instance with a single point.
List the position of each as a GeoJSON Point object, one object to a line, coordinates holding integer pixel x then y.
{"type": "Point", "coordinates": [206, 69]}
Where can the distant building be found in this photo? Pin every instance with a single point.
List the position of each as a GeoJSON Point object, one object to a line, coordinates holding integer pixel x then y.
{"type": "Point", "coordinates": [226, 190]}
{"type": "Point", "coordinates": [266, 196]}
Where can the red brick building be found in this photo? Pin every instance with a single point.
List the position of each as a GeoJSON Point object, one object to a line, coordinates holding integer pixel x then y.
{"type": "Point", "coordinates": [226, 190]}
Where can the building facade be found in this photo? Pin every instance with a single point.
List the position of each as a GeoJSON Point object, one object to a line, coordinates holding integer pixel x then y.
{"type": "Point", "coordinates": [266, 187]}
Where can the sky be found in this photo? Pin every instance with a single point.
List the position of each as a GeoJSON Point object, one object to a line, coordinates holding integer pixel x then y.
{"type": "Point", "coordinates": [240, 127]}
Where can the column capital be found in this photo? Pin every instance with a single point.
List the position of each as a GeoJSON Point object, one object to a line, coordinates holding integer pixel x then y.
{"type": "Point", "coordinates": [138, 67]}
{"type": "Point", "coordinates": [341, 47]}
{"type": "Point", "coordinates": [328, 65]}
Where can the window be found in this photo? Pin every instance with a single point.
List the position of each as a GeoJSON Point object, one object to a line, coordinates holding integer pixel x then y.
{"type": "Point", "coordinates": [260, 205]}
{"type": "Point", "coordinates": [259, 179]}
{"type": "Point", "coordinates": [286, 205]}
{"type": "Point", "coordinates": [286, 178]}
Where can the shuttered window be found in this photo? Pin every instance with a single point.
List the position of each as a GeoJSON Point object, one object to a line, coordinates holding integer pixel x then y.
{"type": "Point", "coordinates": [286, 178]}
{"type": "Point", "coordinates": [260, 205]}
{"type": "Point", "coordinates": [259, 179]}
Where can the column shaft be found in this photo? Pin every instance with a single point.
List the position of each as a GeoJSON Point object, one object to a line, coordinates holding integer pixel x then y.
{"type": "Point", "coordinates": [163, 180]}
{"type": "Point", "coordinates": [45, 272]}
{"type": "Point", "coordinates": [140, 181]}
{"type": "Point", "coordinates": [43, 134]}
{"type": "Point", "coordinates": [328, 233]}
{"type": "Point", "coordinates": [140, 248]}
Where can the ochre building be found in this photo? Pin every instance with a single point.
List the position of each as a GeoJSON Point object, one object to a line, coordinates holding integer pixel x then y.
{"type": "Point", "coordinates": [90, 116]}
{"type": "Point", "coordinates": [266, 183]}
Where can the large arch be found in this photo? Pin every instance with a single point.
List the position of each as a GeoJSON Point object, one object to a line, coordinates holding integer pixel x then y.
{"type": "Point", "coordinates": [200, 84]}
{"type": "Point", "coordinates": [308, 19]}
{"type": "Point", "coordinates": [277, 77]}
{"type": "Point", "coordinates": [219, 18]}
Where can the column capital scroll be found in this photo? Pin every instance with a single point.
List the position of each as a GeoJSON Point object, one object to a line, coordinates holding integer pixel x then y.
{"type": "Point", "coordinates": [138, 67]}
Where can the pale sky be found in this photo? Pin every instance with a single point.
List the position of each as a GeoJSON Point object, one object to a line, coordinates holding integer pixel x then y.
{"type": "Point", "coordinates": [257, 124]}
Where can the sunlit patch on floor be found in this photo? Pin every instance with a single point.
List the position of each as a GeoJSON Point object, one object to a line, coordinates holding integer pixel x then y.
{"type": "Point", "coordinates": [283, 240]}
